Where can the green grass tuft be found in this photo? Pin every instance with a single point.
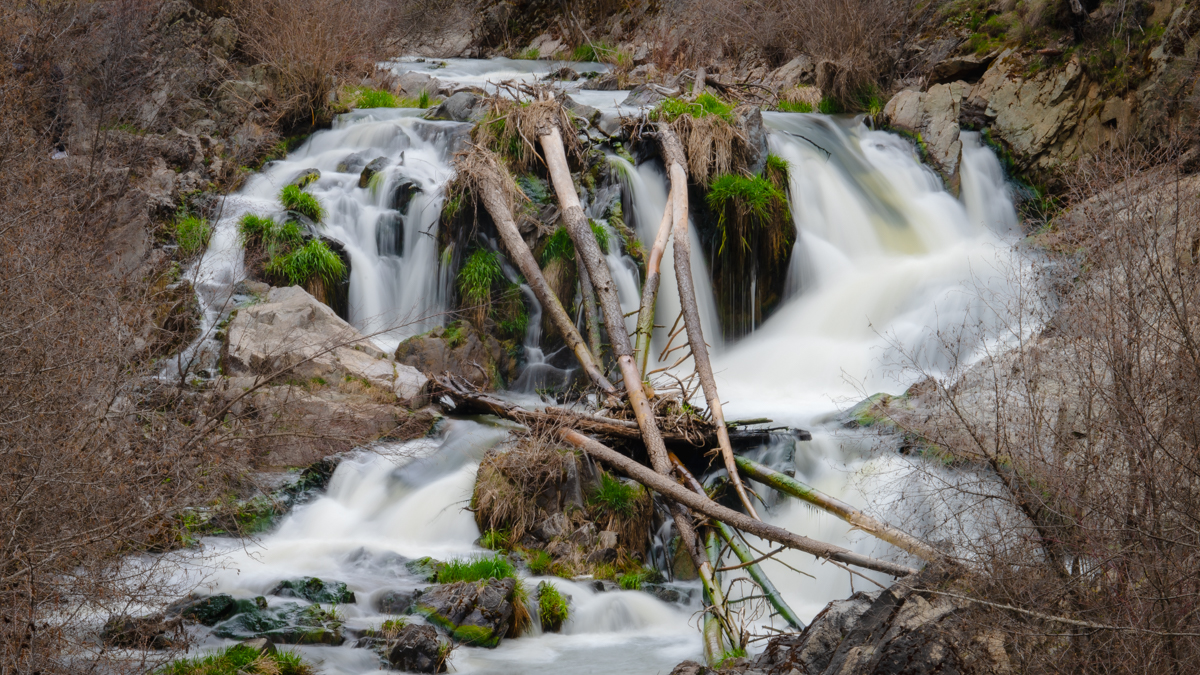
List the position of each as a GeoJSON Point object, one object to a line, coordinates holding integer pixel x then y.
{"type": "Point", "coordinates": [829, 106]}
{"type": "Point", "coordinates": [615, 497]}
{"type": "Point", "coordinates": [559, 245]}
{"type": "Point", "coordinates": [528, 55]}
{"type": "Point", "coordinates": [539, 562]}
{"type": "Point", "coordinates": [476, 568]}
{"type": "Point", "coordinates": [295, 199]}
{"type": "Point", "coordinates": [477, 275]}
{"type": "Point", "coordinates": [729, 655]}
{"type": "Point", "coordinates": [795, 106]}
{"type": "Point", "coordinates": [602, 238]}
{"type": "Point", "coordinates": [670, 109]}
{"type": "Point", "coordinates": [777, 163]}
{"type": "Point", "coordinates": [191, 233]}
{"type": "Point", "coordinates": [552, 607]}
{"type": "Point", "coordinates": [597, 52]}
{"type": "Point", "coordinates": [632, 581]}
{"type": "Point", "coordinates": [753, 195]}
{"type": "Point", "coordinates": [314, 259]}
{"type": "Point", "coordinates": [258, 232]}
{"type": "Point", "coordinates": [496, 539]}
{"type": "Point", "coordinates": [238, 659]}
{"type": "Point", "coordinates": [366, 97]}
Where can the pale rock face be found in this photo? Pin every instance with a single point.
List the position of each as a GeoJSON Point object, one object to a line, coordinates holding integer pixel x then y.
{"type": "Point", "coordinates": [547, 45]}
{"type": "Point", "coordinates": [933, 115]}
{"type": "Point", "coordinates": [294, 329]}
{"type": "Point", "coordinates": [1030, 114]}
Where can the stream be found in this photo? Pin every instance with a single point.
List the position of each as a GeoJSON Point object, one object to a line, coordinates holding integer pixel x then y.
{"type": "Point", "coordinates": [884, 257]}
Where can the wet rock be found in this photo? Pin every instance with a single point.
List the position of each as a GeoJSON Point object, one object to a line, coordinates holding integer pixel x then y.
{"type": "Point", "coordinates": [604, 82]}
{"type": "Point", "coordinates": [397, 602]}
{"type": "Point", "coordinates": [289, 623]}
{"type": "Point", "coordinates": [932, 116]}
{"type": "Point", "coordinates": [563, 74]}
{"type": "Point", "coordinates": [649, 94]}
{"type": "Point", "coordinates": [293, 329]}
{"type": "Point", "coordinates": [417, 650]}
{"type": "Point", "coordinates": [305, 178]}
{"type": "Point", "coordinates": [373, 167]}
{"type": "Point", "coordinates": [584, 112]}
{"type": "Point", "coordinates": [604, 585]}
{"type": "Point", "coordinates": [603, 555]}
{"type": "Point", "coordinates": [413, 84]}
{"type": "Point", "coordinates": [146, 632]}
{"type": "Point", "coordinates": [207, 611]}
{"type": "Point", "coordinates": [460, 350]}
{"type": "Point", "coordinates": [425, 568]}
{"type": "Point", "coordinates": [353, 163]}
{"type": "Point", "coordinates": [314, 590]}
{"type": "Point", "coordinates": [670, 592]}
{"type": "Point", "coordinates": [403, 193]}
{"type": "Point", "coordinates": [755, 148]}
{"type": "Point", "coordinates": [683, 568]}
{"type": "Point", "coordinates": [474, 613]}
{"type": "Point", "coordinates": [261, 645]}
{"type": "Point", "coordinates": [461, 107]}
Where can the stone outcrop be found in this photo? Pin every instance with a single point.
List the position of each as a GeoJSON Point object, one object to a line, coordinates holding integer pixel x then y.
{"type": "Point", "coordinates": [293, 330]}
{"type": "Point", "coordinates": [287, 623]}
{"type": "Point", "coordinates": [474, 613]}
{"type": "Point", "coordinates": [417, 650]}
{"type": "Point", "coordinates": [461, 350]}
{"type": "Point", "coordinates": [932, 116]}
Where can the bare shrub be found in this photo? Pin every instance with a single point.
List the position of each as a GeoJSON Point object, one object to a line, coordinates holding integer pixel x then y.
{"type": "Point", "coordinates": [1072, 461]}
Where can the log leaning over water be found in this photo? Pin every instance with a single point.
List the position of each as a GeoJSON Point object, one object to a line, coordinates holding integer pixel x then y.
{"type": "Point", "coordinates": [675, 160]}
{"type": "Point", "coordinates": [645, 321]}
{"type": "Point", "coordinates": [788, 485]}
{"type": "Point", "coordinates": [676, 492]}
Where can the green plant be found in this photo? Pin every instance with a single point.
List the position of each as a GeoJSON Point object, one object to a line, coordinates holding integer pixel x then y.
{"type": "Point", "coordinates": [238, 659]}
{"type": "Point", "coordinates": [423, 100]}
{"type": "Point", "coordinates": [870, 100]}
{"type": "Point", "coordinates": [749, 196]}
{"type": "Point", "coordinates": [312, 260]}
{"type": "Point", "coordinates": [539, 562]}
{"type": "Point", "coordinates": [476, 568]}
{"type": "Point", "coordinates": [366, 97]}
{"type": "Point", "coordinates": [777, 164]}
{"type": "Point", "coordinates": [529, 55]}
{"type": "Point", "coordinates": [615, 497]}
{"type": "Point", "coordinates": [495, 539]}
{"type": "Point", "coordinates": [258, 232]}
{"type": "Point", "coordinates": [477, 274]}
{"type": "Point", "coordinates": [552, 607]}
{"type": "Point", "coordinates": [601, 234]}
{"type": "Point", "coordinates": [829, 106]}
{"type": "Point", "coordinates": [593, 52]}
{"type": "Point", "coordinates": [295, 199]}
{"type": "Point", "coordinates": [729, 655]}
{"type": "Point", "coordinates": [705, 105]}
{"type": "Point", "coordinates": [191, 232]}
{"type": "Point", "coordinates": [795, 106]}
{"type": "Point", "coordinates": [559, 246]}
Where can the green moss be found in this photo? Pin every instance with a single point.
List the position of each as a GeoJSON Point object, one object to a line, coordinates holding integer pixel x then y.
{"type": "Point", "coordinates": [705, 105]}
{"type": "Point", "coordinates": [312, 261]}
{"type": "Point", "coordinates": [536, 189]}
{"type": "Point", "coordinates": [752, 196]}
{"type": "Point", "coordinates": [615, 497]}
{"type": "Point", "coordinates": [558, 247]}
{"type": "Point", "coordinates": [191, 232]}
{"type": "Point", "coordinates": [476, 568]}
{"type": "Point", "coordinates": [729, 655]}
{"type": "Point", "coordinates": [552, 607]}
{"type": "Point", "coordinates": [295, 199]}
{"type": "Point", "coordinates": [477, 275]}
{"type": "Point", "coordinates": [475, 636]}
{"type": "Point", "coordinates": [795, 106]}
{"type": "Point", "coordinates": [238, 659]}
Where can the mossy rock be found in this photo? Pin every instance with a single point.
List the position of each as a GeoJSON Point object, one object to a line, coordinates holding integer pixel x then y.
{"type": "Point", "coordinates": [291, 623]}
{"type": "Point", "coordinates": [314, 589]}
{"type": "Point", "coordinates": [207, 611]}
{"type": "Point", "coordinates": [426, 568]}
{"type": "Point", "coordinates": [870, 412]}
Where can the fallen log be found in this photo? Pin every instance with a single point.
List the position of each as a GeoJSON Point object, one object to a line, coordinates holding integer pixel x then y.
{"type": "Point", "coordinates": [676, 161]}
{"type": "Point", "coordinates": [861, 521]}
{"type": "Point", "coordinates": [589, 306]}
{"type": "Point", "coordinates": [701, 504]}
{"type": "Point", "coordinates": [489, 179]}
{"type": "Point", "coordinates": [645, 322]}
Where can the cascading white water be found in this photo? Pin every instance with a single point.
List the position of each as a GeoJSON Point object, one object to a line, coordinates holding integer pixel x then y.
{"type": "Point", "coordinates": [884, 256]}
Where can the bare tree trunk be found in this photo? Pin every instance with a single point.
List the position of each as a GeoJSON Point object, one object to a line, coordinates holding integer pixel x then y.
{"type": "Point", "coordinates": [645, 322]}
{"type": "Point", "coordinates": [492, 194]}
{"type": "Point", "coordinates": [698, 88]}
{"type": "Point", "coordinates": [846, 512]}
{"type": "Point", "coordinates": [676, 163]}
{"type": "Point", "coordinates": [589, 306]}
{"type": "Point", "coordinates": [606, 292]}
{"type": "Point", "coordinates": [701, 504]}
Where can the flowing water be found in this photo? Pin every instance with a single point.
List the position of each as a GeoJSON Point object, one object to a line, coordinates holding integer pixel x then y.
{"type": "Point", "coordinates": [885, 257]}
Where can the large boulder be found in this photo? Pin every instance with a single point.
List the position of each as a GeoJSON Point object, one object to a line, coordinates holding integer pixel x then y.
{"type": "Point", "coordinates": [462, 351]}
{"type": "Point", "coordinates": [417, 650]}
{"type": "Point", "coordinates": [461, 107]}
{"type": "Point", "coordinates": [292, 329]}
{"type": "Point", "coordinates": [146, 632]}
{"type": "Point", "coordinates": [288, 623]}
{"type": "Point", "coordinates": [932, 116]}
{"type": "Point", "coordinates": [475, 613]}
{"type": "Point", "coordinates": [315, 590]}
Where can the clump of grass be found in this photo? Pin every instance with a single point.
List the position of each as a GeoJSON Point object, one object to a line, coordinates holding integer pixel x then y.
{"type": "Point", "coordinates": [191, 233]}
{"type": "Point", "coordinates": [705, 105]}
{"type": "Point", "coordinates": [552, 607]}
{"type": "Point", "coordinates": [748, 195]}
{"type": "Point", "coordinates": [615, 497]}
{"type": "Point", "coordinates": [265, 233]}
{"type": "Point", "coordinates": [302, 264]}
{"type": "Point", "coordinates": [477, 275]}
{"type": "Point", "coordinates": [632, 581]}
{"type": "Point", "coordinates": [539, 562]}
{"type": "Point", "coordinates": [795, 106]}
{"type": "Point", "coordinates": [476, 568]}
{"type": "Point", "coordinates": [592, 52]}
{"type": "Point", "coordinates": [529, 55]}
{"type": "Point", "coordinates": [366, 97]}
{"type": "Point", "coordinates": [295, 199]}
{"type": "Point", "coordinates": [829, 106]}
{"type": "Point", "coordinates": [729, 655]}
{"type": "Point", "coordinates": [238, 659]}
{"type": "Point", "coordinates": [495, 539]}
{"type": "Point", "coordinates": [560, 247]}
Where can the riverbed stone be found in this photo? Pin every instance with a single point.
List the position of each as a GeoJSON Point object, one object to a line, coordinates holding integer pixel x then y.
{"type": "Point", "coordinates": [288, 623]}
{"type": "Point", "coordinates": [417, 650]}
{"type": "Point", "coordinates": [143, 632]}
{"type": "Point", "coordinates": [204, 610]}
{"type": "Point", "coordinates": [397, 602]}
{"type": "Point", "coordinates": [463, 106]}
{"type": "Point", "coordinates": [314, 589]}
{"type": "Point", "coordinates": [459, 349]}
{"type": "Point", "coordinates": [373, 167]}
{"type": "Point", "coordinates": [933, 117]}
{"type": "Point", "coordinates": [474, 613]}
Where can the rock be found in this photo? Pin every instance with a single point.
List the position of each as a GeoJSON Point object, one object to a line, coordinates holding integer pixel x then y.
{"type": "Point", "coordinates": [289, 623]}
{"type": "Point", "coordinates": [565, 73]}
{"type": "Point", "coordinates": [585, 535]}
{"type": "Point", "coordinates": [207, 611]}
{"type": "Point", "coordinates": [603, 555]}
{"type": "Point", "coordinates": [353, 163]}
{"type": "Point", "coordinates": [683, 568]}
{"type": "Point", "coordinates": [412, 84]}
{"type": "Point", "coordinates": [605, 82]}
{"type": "Point", "coordinates": [293, 329]}
{"type": "Point", "coordinates": [648, 95]}
{"type": "Point", "coordinates": [373, 167]}
{"type": "Point", "coordinates": [461, 107]}
{"type": "Point", "coordinates": [966, 68]}
{"type": "Point", "coordinates": [755, 148]}
{"type": "Point", "coordinates": [554, 526]}
{"type": "Point", "coordinates": [608, 539]}
{"type": "Point", "coordinates": [604, 585]}
{"type": "Point", "coordinates": [403, 193]}
{"type": "Point", "coordinates": [261, 645]}
{"type": "Point", "coordinates": [224, 37]}
{"type": "Point", "coordinates": [397, 602]}
{"type": "Point", "coordinates": [933, 117]}
{"type": "Point", "coordinates": [799, 70]}
{"type": "Point", "coordinates": [146, 632]}
{"type": "Point", "coordinates": [234, 97]}
{"type": "Point", "coordinates": [425, 568]}
{"type": "Point", "coordinates": [417, 650]}
{"type": "Point", "coordinates": [670, 592]}
{"type": "Point", "coordinates": [584, 112]}
{"type": "Point", "coordinates": [474, 613]}
{"type": "Point", "coordinates": [252, 287]}
{"type": "Point", "coordinates": [305, 178]}
{"type": "Point", "coordinates": [546, 45]}
{"type": "Point", "coordinates": [314, 590]}
{"type": "Point", "coordinates": [459, 349]}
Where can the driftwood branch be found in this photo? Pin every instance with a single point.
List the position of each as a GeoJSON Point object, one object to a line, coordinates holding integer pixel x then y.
{"type": "Point", "coordinates": [676, 161]}
{"type": "Point", "coordinates": [645, 322]}
{"type": "Point", "coordinates": [676, 492]}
